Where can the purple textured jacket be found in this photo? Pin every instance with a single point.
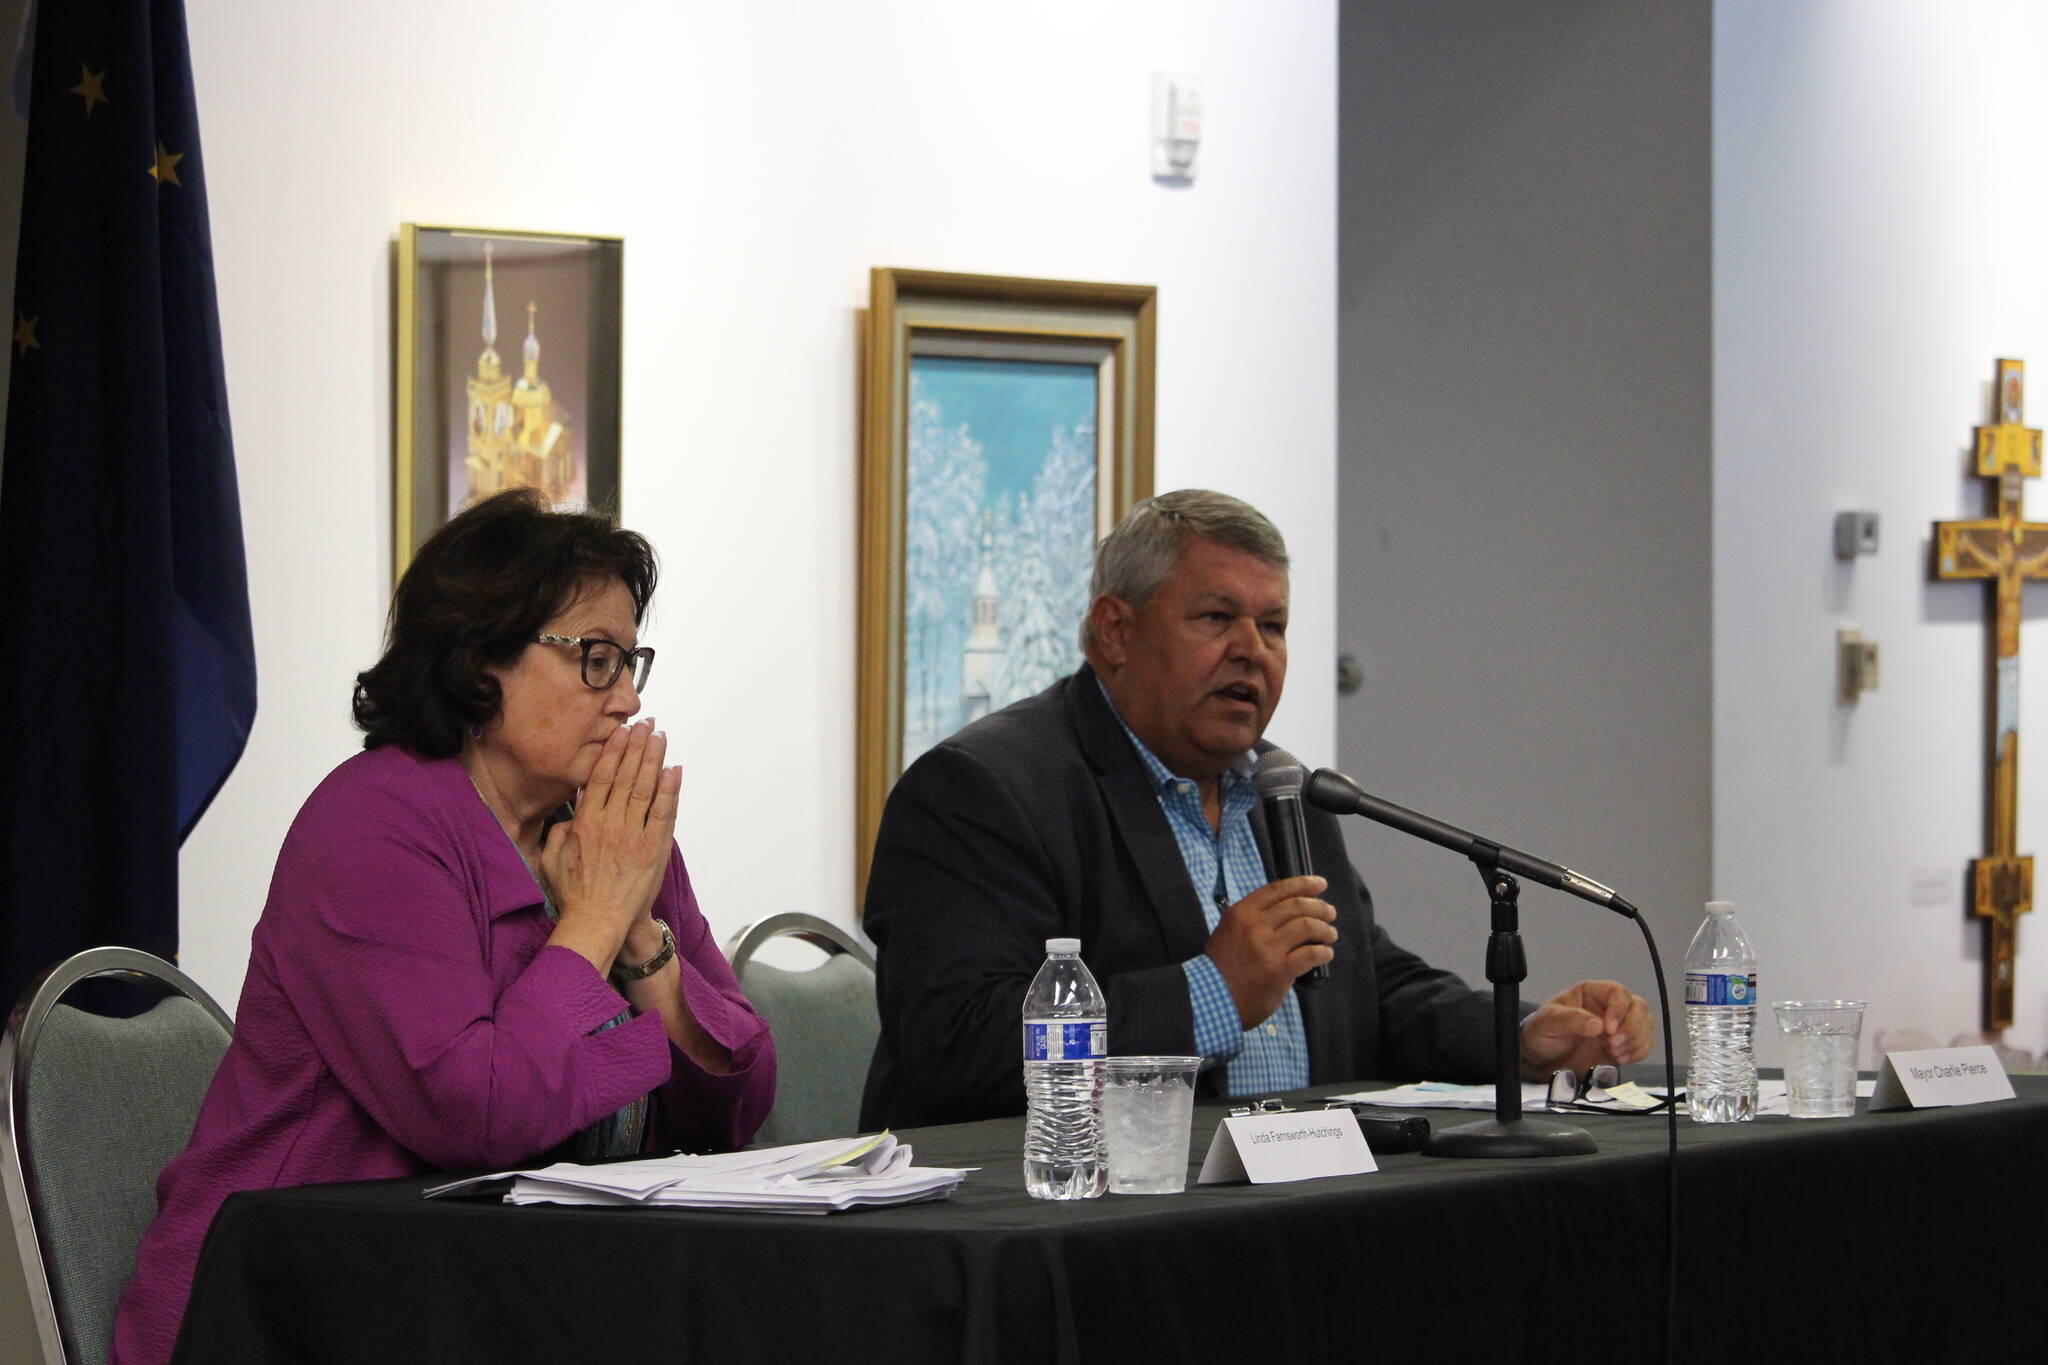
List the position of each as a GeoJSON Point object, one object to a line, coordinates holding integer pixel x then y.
{"type": "Point", "coordinates": [401, 1013]}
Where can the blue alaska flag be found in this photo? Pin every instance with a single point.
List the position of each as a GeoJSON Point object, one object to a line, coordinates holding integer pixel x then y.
{"type": "Point", "coordinates": [127, 669]}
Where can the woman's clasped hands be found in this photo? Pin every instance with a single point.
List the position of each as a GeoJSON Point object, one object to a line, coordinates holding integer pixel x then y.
{"type": "Point", "coordinates": [603, 868]}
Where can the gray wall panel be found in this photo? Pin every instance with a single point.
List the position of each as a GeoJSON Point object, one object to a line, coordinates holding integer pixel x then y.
{"type": "Point", "coordinates": [1525, 459]}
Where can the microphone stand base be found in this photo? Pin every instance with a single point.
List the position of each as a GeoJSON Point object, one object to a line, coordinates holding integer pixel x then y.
{"type": "Point", "coordinates": [1526, 1136]}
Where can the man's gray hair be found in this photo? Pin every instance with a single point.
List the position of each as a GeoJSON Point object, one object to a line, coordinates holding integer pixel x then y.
{"type": "Point", "coordinates": [1135, 558]}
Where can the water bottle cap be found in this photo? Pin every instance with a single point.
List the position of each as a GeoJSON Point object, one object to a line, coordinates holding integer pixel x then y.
{"type": "Point", "coordinates": [1064, 947]}
{"type": "Point", "coordinates": [1720, 907]}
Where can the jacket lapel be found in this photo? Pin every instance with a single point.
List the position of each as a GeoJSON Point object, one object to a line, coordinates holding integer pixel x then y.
{"type": "Point", "coordinates": [1134, 809]}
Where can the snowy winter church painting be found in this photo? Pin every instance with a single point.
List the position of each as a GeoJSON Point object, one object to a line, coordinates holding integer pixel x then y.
{"type": "Point", "coordinates": [1007, 423]}
{"type": "Point", "coordinates": [999, 533]}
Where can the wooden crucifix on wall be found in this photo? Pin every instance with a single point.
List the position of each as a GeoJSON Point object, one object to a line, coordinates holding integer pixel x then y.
{"type": "Point", "coordinates": [2005, 551]}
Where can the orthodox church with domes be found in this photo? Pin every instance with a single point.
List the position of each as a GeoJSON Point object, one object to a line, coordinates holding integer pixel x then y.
{"type": "Point", "coordinates": [519, 437]}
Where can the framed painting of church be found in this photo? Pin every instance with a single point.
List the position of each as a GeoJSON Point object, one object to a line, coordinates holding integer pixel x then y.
{"type": "Point", "coordinates": [1008, 425]}
{"type": "Point", "coordinates": [508, 372]}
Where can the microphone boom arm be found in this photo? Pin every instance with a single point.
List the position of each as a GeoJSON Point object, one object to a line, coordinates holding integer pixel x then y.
{"type": "Point", "coordinates": [1333, 791]}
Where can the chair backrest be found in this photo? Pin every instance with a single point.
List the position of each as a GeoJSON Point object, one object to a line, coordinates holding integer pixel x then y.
{"type": "Point", "coordinates": [95, 1107]}
{"type": "Point", "coordinates": [824, 1022]}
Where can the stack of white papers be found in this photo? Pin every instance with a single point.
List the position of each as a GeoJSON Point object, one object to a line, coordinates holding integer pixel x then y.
{"type": "Point", "coordinates": [809, 1177]}
{"type": "Point", "coordinates": [1443, 1095]}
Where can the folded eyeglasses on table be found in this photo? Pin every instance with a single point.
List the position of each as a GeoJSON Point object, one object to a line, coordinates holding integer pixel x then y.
{"type": "Point", "coordinates": [1596, 1093]}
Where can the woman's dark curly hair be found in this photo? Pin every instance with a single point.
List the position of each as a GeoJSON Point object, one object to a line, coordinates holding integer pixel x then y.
{"type": "Point", "coordinates": [475, 595]}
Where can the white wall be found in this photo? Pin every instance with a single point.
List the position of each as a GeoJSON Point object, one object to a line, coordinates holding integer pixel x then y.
{"type": "Point", "coordinates": [758, 159]}
{"type": "Point", "coordinates": [1879, 201]}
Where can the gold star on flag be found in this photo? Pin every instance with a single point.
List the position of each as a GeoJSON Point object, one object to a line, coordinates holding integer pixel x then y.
{"type": "Point", "coordinates": [165, 170]}
{"type": "Point", "coordinates": [25, 335]}
{"type": "Point", "coordinates": [92, 89]}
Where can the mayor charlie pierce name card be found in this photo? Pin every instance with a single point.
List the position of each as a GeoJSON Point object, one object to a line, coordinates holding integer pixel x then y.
{"type": "Point", "coordinates": [1937, 1077]}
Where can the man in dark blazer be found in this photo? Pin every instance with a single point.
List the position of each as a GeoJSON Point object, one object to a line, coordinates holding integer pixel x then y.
{"type": "Point", "coordinates": [1049, 820]}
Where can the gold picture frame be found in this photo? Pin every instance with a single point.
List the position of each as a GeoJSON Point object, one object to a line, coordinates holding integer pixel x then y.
{"type": "Point", "coordinates": [479, 408]}
{"type": "Point", "coordinates": [1008, 425]}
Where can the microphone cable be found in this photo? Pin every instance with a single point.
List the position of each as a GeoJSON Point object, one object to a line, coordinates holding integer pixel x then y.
{"type": "Point", "coordinates": [1333, 791]}
{"type": "Point", "coordinates": [1671, 1147]}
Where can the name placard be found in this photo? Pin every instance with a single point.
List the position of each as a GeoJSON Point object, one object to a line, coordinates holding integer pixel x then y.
{"type": "Point", "coordinates": [1267, 1149]}
{"type": "Point", "coordinates": [1937, 1077]}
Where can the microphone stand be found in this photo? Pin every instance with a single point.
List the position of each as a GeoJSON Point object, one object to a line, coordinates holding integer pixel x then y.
{"type": "Point", "coordinates": [1510, 1132]}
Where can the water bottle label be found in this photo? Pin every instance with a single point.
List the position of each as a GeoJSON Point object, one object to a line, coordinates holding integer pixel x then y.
{"type": "Point", "coordinates": [1720, 988]}
{"type": "Point", "coordinates": [1066, 1042]}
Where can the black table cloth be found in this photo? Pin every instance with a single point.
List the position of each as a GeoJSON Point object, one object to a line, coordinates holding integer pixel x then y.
{"type": "Point", "coordinates": [1909, 1236]}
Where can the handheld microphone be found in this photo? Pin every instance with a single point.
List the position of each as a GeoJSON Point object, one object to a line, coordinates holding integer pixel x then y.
{"type": "Point", "coordinates": [1279, 777]}
{"type": "Point", "coordinates": [1332, 791]}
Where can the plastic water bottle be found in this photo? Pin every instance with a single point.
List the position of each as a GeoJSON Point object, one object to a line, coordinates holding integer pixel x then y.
{"type": "Point", "coordinates": [1720, 1018]}
{"type": "Point", "coordinates": [1066, 1034]}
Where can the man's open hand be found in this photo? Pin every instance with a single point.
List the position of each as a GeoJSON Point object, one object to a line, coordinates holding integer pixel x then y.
{"type": "Point", "coordinates": [1583, 1026]}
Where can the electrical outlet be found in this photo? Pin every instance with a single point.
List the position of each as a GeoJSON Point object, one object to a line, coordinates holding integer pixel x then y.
{"type": "Point", "coordinates": [1855, 534]}
{"type": "Point", "coordinates": [1856, 660]}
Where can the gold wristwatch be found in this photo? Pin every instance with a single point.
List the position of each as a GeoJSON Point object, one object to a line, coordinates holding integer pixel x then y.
{"type": "Point", "coordinates": [652, 964]}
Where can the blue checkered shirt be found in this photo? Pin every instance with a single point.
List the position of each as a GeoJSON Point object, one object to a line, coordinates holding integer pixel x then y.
{"type": "Point", "coordinates": [1224, 864]}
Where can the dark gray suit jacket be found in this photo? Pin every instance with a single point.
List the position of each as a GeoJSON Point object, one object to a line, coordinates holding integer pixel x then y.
{"type": "Point", "coordinates": [1040, 822]}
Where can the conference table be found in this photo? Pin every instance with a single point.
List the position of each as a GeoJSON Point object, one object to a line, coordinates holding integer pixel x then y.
{"type": "Point", "coordinates": [1906, 1236]}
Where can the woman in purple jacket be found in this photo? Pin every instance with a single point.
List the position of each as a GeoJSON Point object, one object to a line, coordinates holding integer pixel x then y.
{"type": "Point", "coordinates": [480, 948]}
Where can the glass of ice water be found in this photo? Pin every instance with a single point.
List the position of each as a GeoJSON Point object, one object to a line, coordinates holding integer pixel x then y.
{"type": "Point", "coordinates": [1820, 1055]}
{"type": "Point", "coordinates": [1148, 1106]}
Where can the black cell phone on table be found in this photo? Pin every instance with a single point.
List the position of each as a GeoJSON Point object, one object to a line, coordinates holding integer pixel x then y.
{"type": "Point", "coordinates": [1386, 1130]}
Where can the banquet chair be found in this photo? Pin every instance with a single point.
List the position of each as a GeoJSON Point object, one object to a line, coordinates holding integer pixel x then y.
{"type": "Point", "coordinates": [95, 1107]}
{"type": "Point", "coordinates": [824, 1022]}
